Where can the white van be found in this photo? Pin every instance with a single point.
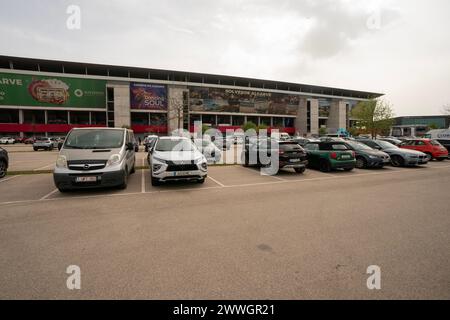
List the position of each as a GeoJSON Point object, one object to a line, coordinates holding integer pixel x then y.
{"type": "Point", "coordinates": [440, 135]}
{"type": "Point", "coordinates": [95, 157]}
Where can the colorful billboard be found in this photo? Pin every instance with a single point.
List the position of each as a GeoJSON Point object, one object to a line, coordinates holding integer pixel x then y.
{"type": "Point", "coordinates": [148, 96]}
{"type": "Point", "coordinates": [49, 91]}
{"type": "Point", "coordinates": [243, 101]}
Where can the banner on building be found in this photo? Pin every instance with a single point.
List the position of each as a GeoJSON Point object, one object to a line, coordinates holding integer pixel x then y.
{"type": "Point", "coordinates": [243, 101]}
{"type": "Point", "coordinates": [148, 96]}
{"type": "Point", "coordinates": [49, 91]}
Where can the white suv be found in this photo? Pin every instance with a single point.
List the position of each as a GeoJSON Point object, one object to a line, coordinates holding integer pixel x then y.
{"type": "Point", "coordinates": [176, 158]}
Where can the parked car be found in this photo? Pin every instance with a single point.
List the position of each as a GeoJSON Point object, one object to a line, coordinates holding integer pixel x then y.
{"type": "Point", "coordinates": [20, 139]}
{"type": "Point", "coordinates": [60, 141]}
{"type": "Point", "coordinates": [440, 135]}
{"type": "Point", "coordinates": [45, 143]}
{"type": "Point", "coordinates": [7, 140]}
{"type": "Point", "coordinates": [280, 136]}
{"type": "Point", "coordinates": [211, 152]}
{"type": "Point", "coordinates": [29, 140]}
{"type": "Point", "coordinates": [95, 157]}
{"type": "Point", "coordinates": [399, 157]}
{"type": "Point", "coordinates": [366, 157]}
{"type": "Point", "coordinates": [4, 162]}
{"type": "Point", "coordinates": [394, 141]}
{"type": "Point", "coordinates": [290, 154]}
{"type": "Point", "coordinates": [330, 155]}
{"type": "Point", "coordinates": [149, 141]}
{"type": "Point", "coordinates": [432, 148]}
{"type": "Point", "coordinates": [176, 159]}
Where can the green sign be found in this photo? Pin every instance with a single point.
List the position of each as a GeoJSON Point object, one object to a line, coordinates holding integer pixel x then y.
{"type": "Point", "coordinates": [49, 91]}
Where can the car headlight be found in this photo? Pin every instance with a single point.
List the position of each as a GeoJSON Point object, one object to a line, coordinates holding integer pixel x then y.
{"type": "Point", "coordinates": [61, 161]}
{"type": "Point", "coordinates": [114, 159]}
{"type": "Point", "coordinates": [156, 166]}
{"type": "Point", "coordinates": [204, 166]}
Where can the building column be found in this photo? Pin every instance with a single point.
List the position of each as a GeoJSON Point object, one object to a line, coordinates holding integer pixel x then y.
{"type": "Point", "coordinates": [21, 121]}
{"type": "Point", "coordinates": [338, 116]}
{"type": "Point", "coordinates": [314, 116]}
{"type": "Point", "coordinates": [301, 122]}
{"type": "Point", "coordinates": [122, 116]}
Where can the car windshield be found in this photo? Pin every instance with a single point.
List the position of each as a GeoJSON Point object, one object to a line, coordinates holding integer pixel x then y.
{"type": "Point", "coordinates": [94, 139]}
{"type": "Point", "coordinates": [358, 146]}
{"type": "Point", "coordinates": [174, 145]}
{"type": "Point", "coordinates": [386, 145]}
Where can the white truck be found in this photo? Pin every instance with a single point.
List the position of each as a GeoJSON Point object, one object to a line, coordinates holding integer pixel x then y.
{"type": "Point", "coordinates": [441, 135]}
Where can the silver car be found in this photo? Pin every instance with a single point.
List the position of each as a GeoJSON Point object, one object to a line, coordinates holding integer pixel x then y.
{"type": "Point", "coordinates": [45, 143]}
{"type": "Point", "coordinates": [399, 157]}
{"type": "Point", "coordinates": [95, 157]}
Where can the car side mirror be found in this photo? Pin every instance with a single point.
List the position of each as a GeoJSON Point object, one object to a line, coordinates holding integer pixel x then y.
{"type": "Point", "coordinates": [130, 146]}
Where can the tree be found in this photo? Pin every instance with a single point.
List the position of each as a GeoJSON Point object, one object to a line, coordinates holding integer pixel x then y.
{"type": "Point", "coordinates": [375, 116]}
{"type": "Point", "coordinates": [433, 126]}
{"type": "Point", "coordinates": [249, 125]}
{"type": "Point", "coordinates": [322, 131]}
{"type": "Point", "coordinates": [176, 111]}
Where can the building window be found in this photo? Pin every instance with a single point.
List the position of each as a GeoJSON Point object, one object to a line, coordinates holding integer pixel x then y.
{"type": "Point", "coordinates": [158, 119]}
{"type": "Point", "coordinates": [34, 116]}
{"type": "Point", "coordinates": [56, 117]}
{"type": "Point", "coordinates": [289, 122]}
{"type": "Point", "coordinates": [277, 122]}
{"type": "Point", "coordinates": [223, 120]}
{"type": "Point", "coordinates": [9, 116]}
{"type": "Point", "coordinates": [79, 117]}
{"type": "Point", "coordinates": [265, 121]}
{"type": "Point", "coordinates": [209, 119]}
{"type": "Point", "coordinates": [98, 118]}
{"type": "Point", "coordinates": [238, 120]}
{"type": "Point", "coordinates": [139, 118]}
{"type": "Point", "coordinates": [252, 119]}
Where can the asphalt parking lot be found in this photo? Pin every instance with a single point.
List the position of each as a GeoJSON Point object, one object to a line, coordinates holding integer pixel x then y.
{"type": "Point", "coordinates": [240, 235]}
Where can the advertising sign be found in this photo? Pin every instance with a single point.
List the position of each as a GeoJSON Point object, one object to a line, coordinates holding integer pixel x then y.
{"type": "Point", "coordinates": [148, 96]}
{"type": "Point", "coordinates": [233, 100]}
{"type": "Point", "coordinates": [49, 91]}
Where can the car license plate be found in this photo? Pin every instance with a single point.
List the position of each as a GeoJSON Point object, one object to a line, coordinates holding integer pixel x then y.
{"type": "Point", "coordinates": [86, 179]}
{"type": "Point", "coordinates": [294, 160]}
{"type": "Point", "coordinates": [181, 173]}
{"type": "Point", "coordinates": [345, 156]}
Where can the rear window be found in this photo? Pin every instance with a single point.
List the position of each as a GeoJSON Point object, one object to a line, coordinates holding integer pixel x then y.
{"type": "Point", "coordinates": [333, 146]}
{"type": "Point", "coordinates": [435, 143]}
{"type": "Point", "coordinates": [290, 146]}
{"type": "Point", "coordinates": [312, 146]}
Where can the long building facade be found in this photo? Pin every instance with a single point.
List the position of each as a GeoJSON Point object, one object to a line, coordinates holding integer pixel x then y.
{"type": "Point", "coordinates": [48, 97]}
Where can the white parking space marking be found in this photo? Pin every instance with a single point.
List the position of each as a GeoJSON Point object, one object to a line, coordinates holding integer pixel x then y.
{"type": "Point", "coordinates": [143, 178]}
{"type": "Point", "coordinates": [216, 181]}
{"type": "Point", "coordinates": [10, 178]}
{"type": "Point", "coordinates": [48, 194]}
{"type": "Point", "coordinates": [44, 167]}
{"type": "Point", "coordinates": [220, 186]}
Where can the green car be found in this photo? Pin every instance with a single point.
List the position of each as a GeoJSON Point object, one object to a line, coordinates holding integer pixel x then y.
{"type": "Point", "coordinates": [330, 155]}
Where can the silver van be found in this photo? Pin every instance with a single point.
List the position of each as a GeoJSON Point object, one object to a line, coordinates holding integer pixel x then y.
{"type": "Point", "coordinates": [95, 157]}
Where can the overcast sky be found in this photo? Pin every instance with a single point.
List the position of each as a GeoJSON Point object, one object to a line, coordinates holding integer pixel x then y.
{"type": "Point", "coordinates": [397, 47]}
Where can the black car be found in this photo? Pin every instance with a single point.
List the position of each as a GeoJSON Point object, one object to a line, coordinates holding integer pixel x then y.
{"type": "Point", "coordinates": [4, 162]}
{"type": "Point", "coordinates": [366, 157]}
{"type": "Point", "coordinates": [290, 154]}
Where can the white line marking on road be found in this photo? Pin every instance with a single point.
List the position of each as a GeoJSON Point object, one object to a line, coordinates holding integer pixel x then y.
{"type": "Point", "coordinates": [216, 181]}
{"type": "Point", "coordinates": [219, 187]}
{"type": "Point", "coordinates": [48, 195]}
{"type": "Point", "coordinates": [42, 168]}
{"type": "Point", "coordinates": [7, 179]}
{"type": "Point", "coordinates": [143, 178]}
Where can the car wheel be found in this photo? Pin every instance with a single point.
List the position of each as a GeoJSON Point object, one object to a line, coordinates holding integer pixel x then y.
{"type": "Point", "coordinates": [397, 161]}
{"type": "Point", "coordinates": [133, 169]}
{"type": "Point", "coordinates": [300, 170]}
{"type": "Point", "coordinates": [324, 165]}
{"type": "Point", "coordinates": [361, 163]}
{"type": "Point", "coordinates": [429, 156]}
{"type": "Point", "coordinates": [440, 159]}
{"type": "Point", "coordinates": [63, 190]}
{"type": "Point", "coordinates": [125, 180]}
{"type": "Point", "coordinates": [35, 149]}
{"type": "Point", "coordinates": [155, 182]}
{"type": "Point", "coordinates": [3, 168]}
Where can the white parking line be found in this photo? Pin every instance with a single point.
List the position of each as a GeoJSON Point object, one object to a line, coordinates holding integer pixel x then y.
{"type": "Point", "coordinates": [143, 178]}
{"type": "Point", "coordinates": [45, 198]}
{"type": "Point", "coordinates": [10, 178]}
{"type": "Point", "coordinates": [48, 195]}
{"type": "Point", "coordinates": [216, 181]}
{"type": "Point", "coordinates": [42, 168]}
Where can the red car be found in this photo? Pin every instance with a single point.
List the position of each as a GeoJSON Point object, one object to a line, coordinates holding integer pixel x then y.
{"type": "Point", "coordinates": [432, 148]}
